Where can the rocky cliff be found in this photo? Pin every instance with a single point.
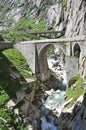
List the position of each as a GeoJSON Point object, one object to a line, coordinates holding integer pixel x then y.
{"type": "Point", "coordinates": [74, 118]}
{"type": "Point", "coordinates": [68, 15]}
{"type": "Point", "coordinates": [59, 14]}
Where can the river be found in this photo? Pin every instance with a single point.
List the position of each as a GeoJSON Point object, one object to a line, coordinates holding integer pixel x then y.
{"type": "Point", "coordinates": [54, 102]}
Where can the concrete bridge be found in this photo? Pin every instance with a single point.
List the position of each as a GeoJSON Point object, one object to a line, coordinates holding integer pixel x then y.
{"type": "Point", "coordinates": [34, 52]}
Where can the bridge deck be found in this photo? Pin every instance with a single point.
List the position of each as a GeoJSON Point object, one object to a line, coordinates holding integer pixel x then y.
{"type": "Point", "coordinates": [59, 40]}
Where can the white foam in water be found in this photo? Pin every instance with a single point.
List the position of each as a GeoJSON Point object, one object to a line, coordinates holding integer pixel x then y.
{"type": "Point", "coordinates": [54, 100]}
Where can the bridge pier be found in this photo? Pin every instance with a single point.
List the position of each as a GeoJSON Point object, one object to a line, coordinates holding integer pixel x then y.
{"type": "Point", "coordinates": [36, 60]}
{"type": "Point", "coordinates": [42, 71]}
{"type": "Point", "coordinates": [28, 51]}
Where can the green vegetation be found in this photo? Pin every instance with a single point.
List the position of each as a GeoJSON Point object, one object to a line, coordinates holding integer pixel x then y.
{"type": "Point", "coordinates": [13, 69]}
{"type": "Point", "coordinates": [3, 125]}
{"type": "Point", "coordinates": [6, 115]}
{"type": "Point", "coordinates": [30, 24]}
{"type": "Point", "coordinates": [53, 74]}
{"type": "Point", "coordinates": [65, 3]}
{"type": "Point", "coordinates": [13, 72]}
{"type": "Point", "coordinates": [23, 28]}
{"type": "Point", "coordinates": [16, 58]}
{"type": "Point", "coordinates": [40, 84]}
{"type": "Point", "coordinates": [75, 89]}
{"type": "Point", "coordinates": [50, 51]}
{"type": "Point", "coordinates": [9, 117]}
{"type": "Point", "coordinates": [4, 97]}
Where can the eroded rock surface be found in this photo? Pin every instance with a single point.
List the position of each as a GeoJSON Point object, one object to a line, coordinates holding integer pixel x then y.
{"type": "Point", "coordinates": [74, 118]}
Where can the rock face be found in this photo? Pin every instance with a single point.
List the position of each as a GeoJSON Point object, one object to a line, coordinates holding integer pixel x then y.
{"type": "Point", "coordinates": [69, 14]}
{"type": "Point", "coordinates": [55, 17]}
{"type": "Point", "coordinates": [59, 14]}
{"type": "Point", "coordinates": [13, 10]}
{"type": "Point", "coordinates": [23, 105]}
{"type": "Point", "coordinates": [75, 17]}
{"type": "Point", "coordinates": [75, 118]}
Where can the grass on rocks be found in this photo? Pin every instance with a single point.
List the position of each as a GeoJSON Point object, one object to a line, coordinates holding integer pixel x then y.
{"type": "Point", "coordinates": [13, 70]}
{"type": "Point", "coordinates": [75, 89]}
{"type": "Point", "coordinates": [22, 29]}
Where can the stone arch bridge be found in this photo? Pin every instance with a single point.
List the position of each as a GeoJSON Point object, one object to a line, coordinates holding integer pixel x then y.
{"type": "Point", "coordinates": [34, 52]}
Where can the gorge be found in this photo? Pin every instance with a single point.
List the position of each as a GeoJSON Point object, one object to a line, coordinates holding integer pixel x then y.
{"type": "Point", "coordinates": [26, 101]}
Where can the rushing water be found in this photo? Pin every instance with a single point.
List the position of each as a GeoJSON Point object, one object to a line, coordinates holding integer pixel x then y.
{"type": "Point", "coordinates": [54, 101]}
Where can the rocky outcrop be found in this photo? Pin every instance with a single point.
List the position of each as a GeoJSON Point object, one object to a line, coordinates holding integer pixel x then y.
{"type": "Point", "coordinates": [23, 105]}
{"type": "Point", "coordinates": [58, 14]}
{"type": "Point", "coordinates": [55, 17]}
{"type": "Point", "coordinates": [75, 117]}
{"type": "Point", "coordinates": [75, 17]}
{"type": "Point", "coordinates": [71, 16]}
{"type": "Point", "coordinates": [13, 10]}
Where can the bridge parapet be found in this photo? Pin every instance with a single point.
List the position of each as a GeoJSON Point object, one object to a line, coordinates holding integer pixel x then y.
{"type": "Point", "coordinates": [58, 40]}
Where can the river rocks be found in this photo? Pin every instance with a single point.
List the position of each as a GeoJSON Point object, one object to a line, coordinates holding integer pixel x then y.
{"type": "Point", "coordinates": [10, 104]}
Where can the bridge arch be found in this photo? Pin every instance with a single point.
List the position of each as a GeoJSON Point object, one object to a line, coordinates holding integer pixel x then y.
{"type": "Point", "coordinates": [77, 50]}
{"type": "Point", "coordinates": [43, 64]}
{"type": "Point", "coordinates": [45, 48]}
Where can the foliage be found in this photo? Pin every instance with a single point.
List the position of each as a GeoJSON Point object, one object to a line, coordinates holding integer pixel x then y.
{"type": "Point", "coordinates": [52, 73]}
{"type": "Point", "coordinates": [6, 81]}
{"type": "Point", "coordinates": [50, 51]}
{"type": "Point", "coordinates": [18, 61]}
{"type": "Point", "coordinates": [4, 97]}
{"type": "Point", "coordinates": [12, 119]}
{"type": "Point", "coordinates": [23, 28]}
{"type": "Point", "coordinates": [40, 84]}
{"type": "Point", "coordinates": [3, 125]}
{"type": "Point", "coordinates": [65, 3]}
{"type": "Point", "coordinates": [13, 68]}
{"type": "Point", "coordinates": [75, 90]}
{"type": "Point", "coordinates": [5, 113]}
{"type": "Point", "coordinates": [11, 72]}
{"type": "Point", "coordinates": [30, 24]}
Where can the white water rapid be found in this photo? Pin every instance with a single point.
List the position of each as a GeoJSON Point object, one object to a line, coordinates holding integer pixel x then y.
{"type": "Point", "coordinates": [55, 98]}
